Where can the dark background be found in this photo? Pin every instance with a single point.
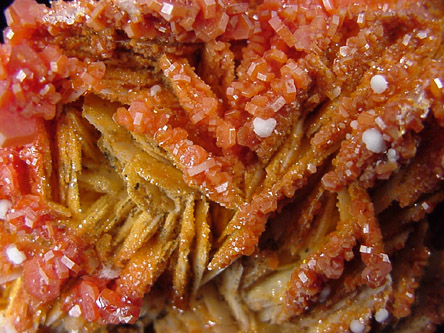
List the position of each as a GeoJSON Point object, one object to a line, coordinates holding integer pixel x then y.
{"type": "Point", "coordinates": [5, 4]}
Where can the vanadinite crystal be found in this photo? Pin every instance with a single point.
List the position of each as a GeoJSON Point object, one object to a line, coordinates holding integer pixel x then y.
{"type": "Point", "coordinates": [252, 104]}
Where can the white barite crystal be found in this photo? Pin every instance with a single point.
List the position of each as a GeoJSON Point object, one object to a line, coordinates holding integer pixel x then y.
{"type": "Point", "coordinates": [5, 205]}
{"type": "Point", "coordinates": [392, 155]}
{"type": "Point", "coordinates": [373, 140]}
{"type": "Point", "coordinates": [15, 256]}
{"type": "Point", "coordinates": [381, 315]}
{"type": "Point", "coordinates": [378, 83]}
{"type": "Point", "coordinates": [264, 127]}
{"type": "Point", "coordinates": [356, 326]}
{"type": "Point", "coordinates": [75, 311]}
{"type": "Point", "coordinates": [154, 90]}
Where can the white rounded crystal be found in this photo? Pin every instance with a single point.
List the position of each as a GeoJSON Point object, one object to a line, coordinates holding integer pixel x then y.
{"type": "Point", "coordinates": [378, 83]}
{"type": "Point", "coordinates": [356, 326]}
{"type": "Point", "coordinates": [15, 256]}
{"type": "Point", "coordinates": [373, 140]}
{"type": "Point", "coordinates": [381, 315]}
{"type": "Point", "coordinates": [264, 127]}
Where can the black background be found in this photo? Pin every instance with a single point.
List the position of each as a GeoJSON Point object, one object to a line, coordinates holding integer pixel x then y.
{"type": "Point", "coordinates": [5, 4]}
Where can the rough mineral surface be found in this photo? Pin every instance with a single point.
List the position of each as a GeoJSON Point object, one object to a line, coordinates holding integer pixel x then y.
{"type": "Point", "coordinates": [203, 165]}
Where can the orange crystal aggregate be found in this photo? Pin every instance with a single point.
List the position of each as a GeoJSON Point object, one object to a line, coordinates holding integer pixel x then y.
{"type": "Point", "coordinates": [262, 67]}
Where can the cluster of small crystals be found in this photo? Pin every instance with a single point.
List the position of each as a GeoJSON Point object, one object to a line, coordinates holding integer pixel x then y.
{"type": "Point", "coordinates": [382, 118]}
{"type": "Point", "coordinates": [257, 103]}
{"type": "Point", "coordinates": [200, 167]}
{"type": "Point", "coordinates": [35, 246]}
{"type": "Point", "coordinates": [188, 21]}
{"type": "Point", "coordinates": [393, 103]}
{"type": "Point", "coordinates": [396, 103]}
{"type": "Point", "coordinates": [34, 77]}
{"type": "Point", "coordinates": [268, 76]}
{"type": "Point", "coordinates": [268, 80]}
{"type": "Point", "coordinates": [271, 80]}
{"type": "Point", "coordinates": [308, 281]}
